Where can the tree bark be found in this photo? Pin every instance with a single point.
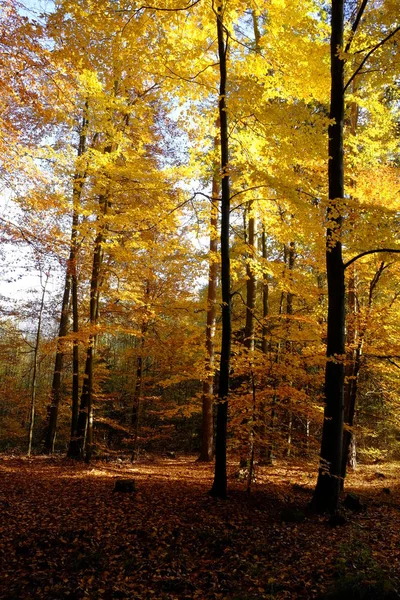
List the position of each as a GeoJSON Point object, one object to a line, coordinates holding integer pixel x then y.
{"type": "Point", "coordinates": [219, 487]}
{"type": "Point", "coordinates": [326, 494]}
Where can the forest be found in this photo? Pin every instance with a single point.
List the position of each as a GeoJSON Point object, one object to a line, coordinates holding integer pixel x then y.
{"type": "Point", "coordinates": [200, 271]}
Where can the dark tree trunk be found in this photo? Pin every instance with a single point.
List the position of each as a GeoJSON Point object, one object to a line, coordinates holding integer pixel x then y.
{"type": "Point", "coordinates": [207, 424]}
{"type": "Point", "coordinates": [326, 494]}
{"type": "Point", "coordinates": [70, 280]}
{"type": "Point", "coordinates": [219, 487]}
{"type": "Point", "coordinates": [58, 367]}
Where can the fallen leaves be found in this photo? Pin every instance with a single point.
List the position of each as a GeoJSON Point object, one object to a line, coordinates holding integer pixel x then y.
{"type": "Point", "coordinates": [64, 534]}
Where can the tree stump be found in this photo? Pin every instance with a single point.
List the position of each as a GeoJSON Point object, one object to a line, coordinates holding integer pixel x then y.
{"type": "Point", "coordinates": [126, 486]}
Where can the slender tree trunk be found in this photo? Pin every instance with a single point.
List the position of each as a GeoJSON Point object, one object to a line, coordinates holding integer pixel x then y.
{"type": "Point", "coordinates": [58, 366]}
{"type": "Point", "coordinates": [69, 278]}
{"type": "Point", "coordinates": [264, 458]}
{"type": "Point", "coordinates": [207, 425]}
{"type": "Point", "coordinates": [349, 396]}
{"type": "Point", "coordinates": [307, 436]}
{"type": "Point", "coordinates": [353, 356]}
{"type": "Point", "coordinates": [289, 346]}
{"type": "Point", "coordinates": [75, 346]}
{"type": "Point", "coordinates": [290, 295]}
{"type": "Point", "coordinates": [83, 440]}
{"type": "Point", "coordinates": [136, 405]}
{"type": "Point", "coordinates": [251, 281]}
{"type": "Point", "coordinates": [135, 421]}
{"type": "Point", "coordinates": [219, 487]}
{"type": "Point", "coordinates": [252, 445]}
{"type": "Point", "coordinates": [35, 367]}
{"type": "Point", "coordinates": [326, 494]}
{"type": "Point", "coordinates": [265, 296]}
{"type": "Point", "coordinates": [354, 366]}
{"type": "Point", "coordinates": [290, 432]}
{"type": "Point", "coordinates": [270, 449]}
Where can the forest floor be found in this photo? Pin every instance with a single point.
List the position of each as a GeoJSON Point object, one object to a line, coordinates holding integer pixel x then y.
{"type": "Point", "coordinates": [65, 534]}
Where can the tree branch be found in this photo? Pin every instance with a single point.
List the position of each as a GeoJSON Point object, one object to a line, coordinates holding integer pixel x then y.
{"type": "Point", "coordinates": [388, 250]}
{"type": "Point", "coordinates": [158, 9]}
{"type": "Point", "coordinates": [366, 57]}
{"type": "Point", "coordinates": [355, 24]}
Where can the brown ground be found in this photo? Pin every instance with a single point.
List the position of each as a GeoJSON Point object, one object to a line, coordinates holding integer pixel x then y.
{"type": "Point", "coordinates": [65, 534]}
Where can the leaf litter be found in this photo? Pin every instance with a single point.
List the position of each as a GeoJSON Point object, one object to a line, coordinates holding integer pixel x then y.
{"type": "Point", "coordinates": [65, 534]}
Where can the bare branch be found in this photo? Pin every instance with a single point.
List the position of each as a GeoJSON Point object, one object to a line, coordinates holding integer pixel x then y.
{"type": "Point", "coordinates": [367, 56]}
{"type": "Point", "coordinates": [355, 24]}
{"type": "Point", "coordinates": [192, 79]}
{"type": "Point", "coordinates": [388, 250]}
{"type": "Point", "coordinates": [158, 9]}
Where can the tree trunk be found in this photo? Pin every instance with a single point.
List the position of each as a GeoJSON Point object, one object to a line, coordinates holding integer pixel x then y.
{"type": "Point", "coordinates": [290, 254]}
{"type": "Point", "coordinates": [326, 494]}
{"type": "Point", "coordinates": [63, 328]}
{"type": "Point", "coordinates": [35, 367]}
{"type": "Point", "coordinates": [265, 296]}
{"type": "Point", "coordinates": [219, 487]}
{"type": "Point", "coordinates": [75, 347]}
{"type": "Point", "coordinates": [349, 391]}
{"type": "Point", "coordinates": [135, 421]}
{"type": "Point", "coordinates": [207, 425]}
{"type": "Point", "coordinates": [83, 438]}
{"type": "Point", "coordinates": [58, 366]}
{"type": "Point", "coordinates": [252, 445]}
{"type": "Point", "coordinates": [251, 282]}
{"type": "Point", "coordinates": [264, 454]}
{"type": "Point", "coordinates": [354, 366]}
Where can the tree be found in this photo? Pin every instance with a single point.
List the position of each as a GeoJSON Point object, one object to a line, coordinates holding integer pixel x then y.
{"type": "Point", "coordinates": [69, 286]}
{"type": "Point", "coordinates": [326, 494]}
{"type": "Point", "coordinates": [219, 487]}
